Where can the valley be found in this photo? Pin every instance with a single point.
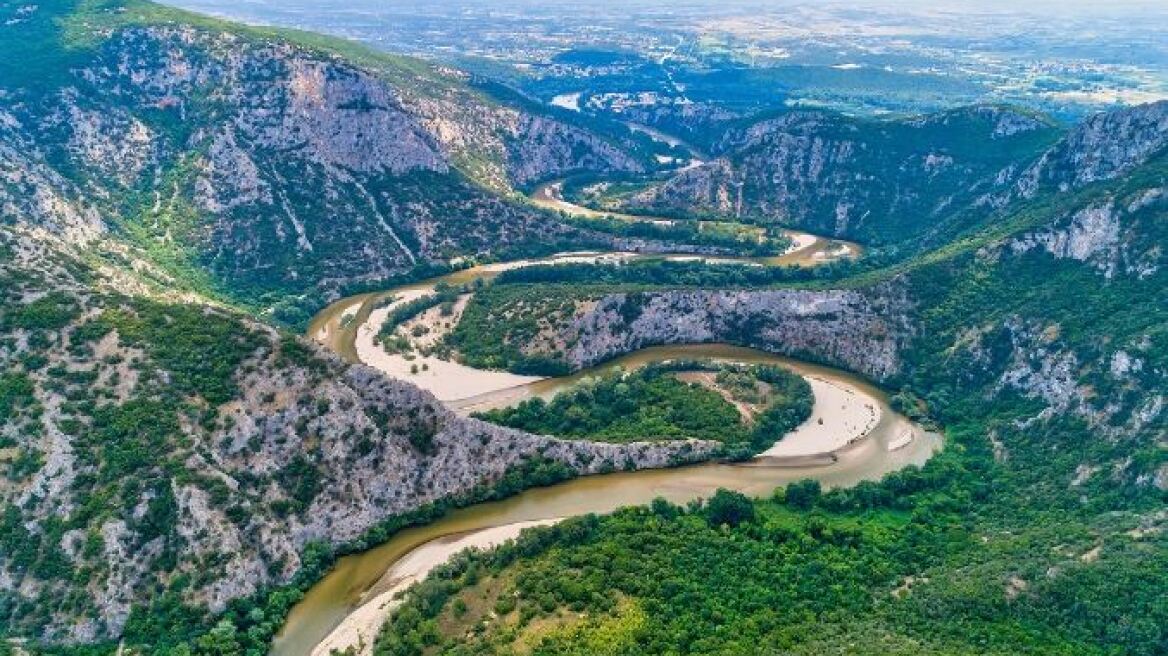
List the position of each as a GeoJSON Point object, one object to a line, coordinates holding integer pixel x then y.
{"type": "Point", "coordinates": [727, 355]}
{"type": "Point", "coordinates": [868, 452]}
{"type": "Point", "coordinates": [802, 249]}
{"type": "Point", "coordinates": [347, 608]}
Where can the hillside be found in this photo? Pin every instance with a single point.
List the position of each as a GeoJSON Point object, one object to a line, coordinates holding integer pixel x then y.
{"type": "Point", "coordinates": [880, 182]}
{"type": "Point", "coordinates": [163, 458]}
{"type": "Point", "coordinates": [1038, 342]}
{"type": "Point", "coordinates": [1054, 301]}
{"type": "Point", "coordinates": [263, 166]}
{"type": "Point", "coordinates": [176, 468]}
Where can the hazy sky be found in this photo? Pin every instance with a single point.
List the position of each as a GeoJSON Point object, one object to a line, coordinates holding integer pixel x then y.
{"type": "Point", "coordinates": [974, 6]}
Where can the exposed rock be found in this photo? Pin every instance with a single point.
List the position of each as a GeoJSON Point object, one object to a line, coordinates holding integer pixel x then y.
{"type": "Point", "coordinates": [1102, 147]}
{"type": "Point", "coordinates": [881, 182]}
{"type": "Point", "coordinates": [540, 148]}
{"type": "Point", "coordinates": [307, 449]}
{"type": "Point", "coordinates": [864, 332]}
{"type": "Point", "coordinates": [1105, 235]}
{"type": "Point", "coordinates": [282, 167]}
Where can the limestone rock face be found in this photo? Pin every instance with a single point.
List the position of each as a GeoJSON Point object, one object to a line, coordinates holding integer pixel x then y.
{"type": "Point", "coordinates": [33, 192]}
{"type": "Point", "coordinates": [302, 448]}
{"type": "Point", "coordinates": [1102, 147]}
{"type": "Point", "coordinates": [1107, 236]}
{"type": "Point", "coordinates": [712, 186]}
{"type": "Point", "coordinates": [881, 182]}
{"type": "Point", "coordinates": [539, 148]}
{"type": "Point", "coordinates": [864, 332]}
{"type": "Point", "coordinates": [284, 168]}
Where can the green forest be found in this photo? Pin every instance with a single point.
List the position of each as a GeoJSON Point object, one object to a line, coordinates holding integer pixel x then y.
{"type": "Point", "coordinates": [653, 403]}
{"type": "Point", "coordinates": [180, 465]}
{"type": "Point", "coordinates": [949, 559]}
{"type": "Point", "coordinates": [1032, 533]}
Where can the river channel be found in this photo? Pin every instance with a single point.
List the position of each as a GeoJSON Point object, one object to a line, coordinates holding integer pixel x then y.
{"type": "Point", "coordinates": [353, 598]}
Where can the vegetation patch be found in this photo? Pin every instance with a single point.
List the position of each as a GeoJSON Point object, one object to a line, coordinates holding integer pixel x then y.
{"type": "Point", "coordinates": [746, 408]}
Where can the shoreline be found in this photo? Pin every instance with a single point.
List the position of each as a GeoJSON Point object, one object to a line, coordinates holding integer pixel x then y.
{"type": "Point", "coordinates": [843, 414]}
{"type": "Point", "coordinates": [805, 248]}
{"type": "Point", "coordinates": [840, 416]}
{"type": "Point", "coordinates": [359, 629]}
{"type": "Point", "coordinates": [348, 606]}
{"type": "Point", "coordinates": [447, 380]}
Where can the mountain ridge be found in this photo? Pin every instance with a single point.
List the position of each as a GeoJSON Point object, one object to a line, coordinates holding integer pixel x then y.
{"type": "Point", "coordinates": [207, 175]}
{"type": "Point", "coordinates": [181, 455]}
{"type": "Point", "coordinates": [170, 458]}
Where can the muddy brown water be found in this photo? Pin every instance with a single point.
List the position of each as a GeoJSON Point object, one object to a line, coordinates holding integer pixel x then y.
{"type": "Point", "coordinates": [812, 249]}
{"type": "Point", "coordinates": [344, 588]}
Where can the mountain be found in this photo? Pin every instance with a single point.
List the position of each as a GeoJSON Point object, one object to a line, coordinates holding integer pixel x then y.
{"type": "Point", "coordinates": [163, 457]}
{"type": "Point", "coordinates": [174, 188]}
{"type": "Point", "coordinates": [1039, 341]}
{"type": "Point", "coordinates": [1053, 299]}
{"type": "Point", "coordinates": [166, 456]}
{"type": "Point", "coordinates": [880, 182]}
{"type": "Point", "coordinates": [1103, 147]}
{"type": "Point", "coordinates": [264, 165]}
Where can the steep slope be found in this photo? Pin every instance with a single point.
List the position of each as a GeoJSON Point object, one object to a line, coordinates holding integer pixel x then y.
{"type": "Point", "coordinates": [1103, 147]}
{"type": "Point", "coordinates": [165, 458]}
{"type": "Point", "coordinates": [162, 457]}
{"type": "Point", "coordinates": [878, 182]}
{"type": "Point", "coordinates": [256, 162]}
{"type": "Point", "coordinates": [1059, 301]}
{"type": "Point", "coordinates": [1040, 343]}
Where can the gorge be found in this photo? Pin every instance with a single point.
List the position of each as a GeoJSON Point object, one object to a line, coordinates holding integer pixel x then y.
{"type": "Point", "coordinates": [258, 286]}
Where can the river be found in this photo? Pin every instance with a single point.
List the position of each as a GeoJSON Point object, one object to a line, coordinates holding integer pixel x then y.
{"type": "Point", "coordinates": [355, 595]}
{"type": "Point", "coordinates": [806, 249]}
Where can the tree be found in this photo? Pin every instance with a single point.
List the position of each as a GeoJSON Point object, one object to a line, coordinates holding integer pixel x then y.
{"type": "Point", "coordinates": [223, 640]}
{"type": "Point", "coordinates": [731, 508]}
{"type": "Point", "coordinates": [803, 494]}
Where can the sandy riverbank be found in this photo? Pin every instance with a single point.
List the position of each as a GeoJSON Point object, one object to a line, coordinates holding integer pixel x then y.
{"type": "Point", "coordinates": [551, 197]}
{"type": "Point", "coordinates": [360, 628]}
{"type": "Point", "coordinates": [578, 257]}
{"type": "Point", "coordinates": [445, 379]}
{"type": "Point", "coordinates": [360, 605]}
{"type": "Point", "coordinates": [841, 415]}
{"type": "Point", "coordinates": [816, 249]}
{"type": "Point", "coordinates": [799, 241]}
{"type": "Point", "coordinates": [837, 252]}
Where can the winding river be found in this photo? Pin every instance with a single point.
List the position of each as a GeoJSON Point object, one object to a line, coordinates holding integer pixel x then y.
{"type": "Point", "coordinates": [806, 249]}
{"type": "Point", "coordinates": [346, 607]}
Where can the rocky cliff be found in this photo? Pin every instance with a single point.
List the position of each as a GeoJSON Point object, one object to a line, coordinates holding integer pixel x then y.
{"type": "Point", "coordinates": [1055, 311]}
{"type": "Point", "coordinates": [1103, 147]}
{"type": "Point", "coordinates": [267, 166]}
{"type": "Point", "coordinates": [860, 331]}
{"type": "Point", "coordinates": [162, 455]}
{"type": "Point", "coordinates": [879, 182]}
{"type": "Point", "coordinates": [177, 452]}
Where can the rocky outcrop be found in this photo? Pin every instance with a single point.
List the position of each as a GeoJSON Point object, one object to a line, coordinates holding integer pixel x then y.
{"type": "Point", "coordinates": [183, 456]}
{"type": "Point", "coordinates": [1027, 356]}
{"type": "Point", "coordinates": [281, 167]}
{"type": "Point", "coordinates": [895, 181]}
{"type": "Point", "coordinates": [32, 191]}
{"type": "Point", "coordinates": [713, 187]}
{"type": "Point", "coordinates": [1108, 235]}
{"type": "Point", "coordinates": [1102, 147]}
{"type": "Point", "coordinates": [881, 182]}
{"type": "Point", "coordinates": [539, 148]}
{"type": "Point", "coordinates": [1002, 121]}
{"type": "Point", "coordinates": [365, 448]}
{"type": "Point", "coordinates": [861, 331]}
